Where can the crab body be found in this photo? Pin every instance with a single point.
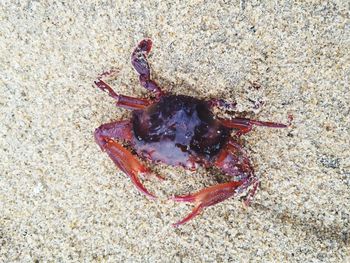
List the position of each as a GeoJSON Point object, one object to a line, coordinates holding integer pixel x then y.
{"type": "Point", "coordinates": [180, 131]}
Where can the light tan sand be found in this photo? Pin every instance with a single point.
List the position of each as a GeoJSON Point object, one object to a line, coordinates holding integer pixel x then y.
{"type": "Point", "coordinates": [62, 200]}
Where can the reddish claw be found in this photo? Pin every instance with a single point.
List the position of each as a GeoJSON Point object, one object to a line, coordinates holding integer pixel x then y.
{"type": "Point", "coordinates": [207, 197]}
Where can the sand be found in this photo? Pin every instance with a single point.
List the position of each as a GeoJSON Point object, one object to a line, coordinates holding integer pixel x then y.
{"type": "Point", "coordinates": [62, 200]}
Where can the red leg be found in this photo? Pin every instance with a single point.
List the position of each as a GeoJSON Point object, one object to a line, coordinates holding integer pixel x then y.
{"type": "Point", "coordinates": [207, 197]}
{"type": "Point", "coordinates": [245, 125]}
{"type": "Point", "coordinates": [233, 161]}
{"type": "Point", "coordinates": [119, 130]}
{"type": "Point", "coordinates": [122, 101]}
{"type": "Point", "coordinates": [141, 65]}
{"type": "Point", "coordinates": [121, 156]}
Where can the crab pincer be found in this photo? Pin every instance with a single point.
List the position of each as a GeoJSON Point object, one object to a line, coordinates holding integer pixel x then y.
{"type": "Point", "coordinates": [207, 197]}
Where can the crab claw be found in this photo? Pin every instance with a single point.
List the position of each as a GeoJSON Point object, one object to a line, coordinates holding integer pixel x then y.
{"type": "Point", "coordinates": [122, 157]}
{"type": "Point", "coordinates": [142, 67]}
{"type": "Point", "coordinates": [135, 180]}
{"type": "Point", "coordinates": [139, 57]}
{"type": "Point", "coordinates": [195, 211]}
{"type": "Point", "coordinates": [128, 164]}
{"type": "Point", "coordinates": [207, 197]}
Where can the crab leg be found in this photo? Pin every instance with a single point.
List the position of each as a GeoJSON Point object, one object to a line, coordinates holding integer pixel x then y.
{"type": "Point", "coordinates": [121, 156]}
{"type": "Point", "coordinates": [122, 100]}
{"type": "Point", "coordinates": [245, 125]}
{"type": "Point", "coordinates": [141, 65]}
{"type": "Point", "coordinates": [119, 130]}
{"type": "Point", "coordinates": [233, 161]}
{"type": "Point", "coordinates": [207, 197]}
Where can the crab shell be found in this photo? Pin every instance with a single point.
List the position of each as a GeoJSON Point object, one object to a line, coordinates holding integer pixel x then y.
{"type": "Point", "coordinates": [178, 130]}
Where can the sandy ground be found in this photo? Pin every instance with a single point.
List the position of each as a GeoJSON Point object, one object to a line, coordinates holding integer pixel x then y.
{"type": "Point", "coordinates": [62, 200]}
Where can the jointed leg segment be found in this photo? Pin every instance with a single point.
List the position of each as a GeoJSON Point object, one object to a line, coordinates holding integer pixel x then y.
{"type": "Point", "coordinates": [141, 65]}
{"type": "Point", "coordinates": [207, 197]}
{"type": "Point", "coordinates": [122, 100]}
{"type": "Point", "coordinates": [118, 130]}
{"type": "Point", "coordinates": [124, 159]}
{"type": "Point", "coordinates": [245, 125]}
{"type": "Point", "coordinates": [232, 161]}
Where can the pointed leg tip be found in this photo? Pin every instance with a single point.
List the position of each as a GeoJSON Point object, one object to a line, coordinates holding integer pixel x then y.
{"type": "Point", "coordinates": [152, 196]}
{"type": "Point", "coordinates": [196, 211]}
{"type": "Point", "coordinates": [146, 192]}
{"type": "Point", "coordinates": [149, 195]}
{"type": "Point", "coordinates": [141, 188]}
{"type": "Point", "coordinates": [179, 223]}
{"type": "Point", "coordinates": [175, 225]}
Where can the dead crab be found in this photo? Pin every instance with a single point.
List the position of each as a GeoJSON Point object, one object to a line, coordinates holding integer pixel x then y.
{"type": "Point", "coordinates": [180, 131]}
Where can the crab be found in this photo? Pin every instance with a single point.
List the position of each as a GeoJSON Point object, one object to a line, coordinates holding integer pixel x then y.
{"type": "Point", "coordinates": [178, 130]}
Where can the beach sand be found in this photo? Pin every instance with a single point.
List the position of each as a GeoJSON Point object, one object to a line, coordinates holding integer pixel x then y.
{"type": "Point", "coordinates": [63, 200]}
